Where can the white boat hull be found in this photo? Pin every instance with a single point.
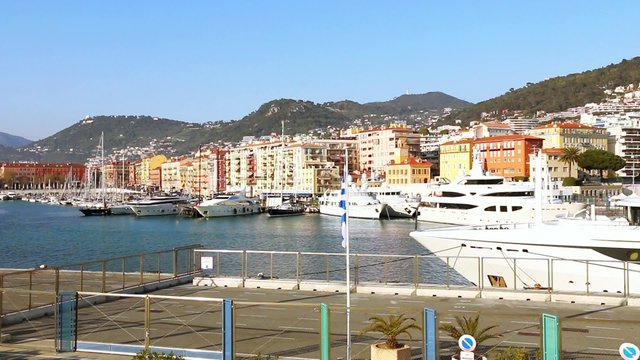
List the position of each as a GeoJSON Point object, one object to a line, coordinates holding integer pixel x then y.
{"type": "Point", "coordinates": [208, 211]}
{"type": "Point", "coordinates": [373, 211]}
{"type": "Point", "coordinates": [479, 216]}
{"type": "Point", "coordinates": [543, 256]}
{"type": "Point", "coordinates": [155, 210]}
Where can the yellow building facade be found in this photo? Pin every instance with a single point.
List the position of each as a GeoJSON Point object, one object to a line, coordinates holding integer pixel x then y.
{"type": "Point", "coordinates": [409, 171]}
{"type": "Point", "coordinates": [568, 134]}
{"type": "Point", "coordinates": [455, 158]}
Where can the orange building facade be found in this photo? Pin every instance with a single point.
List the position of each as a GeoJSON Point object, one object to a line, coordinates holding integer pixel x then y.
{"type": "Point", "coordinates": [507, 155]}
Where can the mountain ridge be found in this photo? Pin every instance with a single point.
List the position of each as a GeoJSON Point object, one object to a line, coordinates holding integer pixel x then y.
{"type": "Point", "coordinates": [13, 141]}
{"type": "Point", "coordinates": [174, 137]}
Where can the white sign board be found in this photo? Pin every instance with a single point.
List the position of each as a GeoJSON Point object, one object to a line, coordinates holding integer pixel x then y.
{"type": "Point", "coordinates": [466, 356]}
{"type": "Point", "coordinates": [206, 263]}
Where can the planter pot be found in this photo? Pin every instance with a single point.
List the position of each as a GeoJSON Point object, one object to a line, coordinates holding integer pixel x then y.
{"type": "Point", "coordinates": [380, 353]}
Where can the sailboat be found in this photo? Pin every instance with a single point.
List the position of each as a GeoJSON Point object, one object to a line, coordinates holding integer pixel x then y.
{"type": "Point", "coordinates": [100, 207]}
{"type": "Point", "coordinates": [290, 207]}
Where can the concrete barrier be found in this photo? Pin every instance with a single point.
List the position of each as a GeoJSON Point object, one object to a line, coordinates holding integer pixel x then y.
{"type": "Point", "coordinates": [276, 284]}
{"type": "Point", "coordinates": [386, 289]}
{"type": "Point", "coordinates": [327, 286]}
{"type": "Point", "coordinates": [589, 299]}
{"type": "Point", "coordinates": [218, 281]}
{"type": "Point", "coordinates": [452, 292]}
{"type": "Point", "coordinates": [532, 295]}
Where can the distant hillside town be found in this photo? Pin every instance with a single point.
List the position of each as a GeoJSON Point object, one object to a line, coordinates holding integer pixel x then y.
{"type": "Point", "coordinates": [398, 154]}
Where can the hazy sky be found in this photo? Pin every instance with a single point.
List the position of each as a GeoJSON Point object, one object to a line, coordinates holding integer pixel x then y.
{"type": "Point", "coordinates": [220, 60]}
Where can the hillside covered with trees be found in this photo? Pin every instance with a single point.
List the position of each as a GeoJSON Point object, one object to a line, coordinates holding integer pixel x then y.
{"type": "Point", "coordinates": [559, 93]}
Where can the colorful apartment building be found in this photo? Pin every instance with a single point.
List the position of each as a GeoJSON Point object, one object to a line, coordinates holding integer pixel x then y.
{"type": "Point", "coordinates": [379, 147]}
{"type": "Point", "coordinates": [41, 176]}
{"type": "Point", "coordinates": [507, 155]}
{"type": "Point", "coordinates": [116, 174]}
{"type": "Point", "coordinates": [569, 134]}
{"type": "Point", "coordinates": [455, 158]}
{"type": "Point", "coordinates": [409, 171]}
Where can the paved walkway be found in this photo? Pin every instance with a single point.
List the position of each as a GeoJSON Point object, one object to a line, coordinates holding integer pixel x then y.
{"type": "Point", "coordinates": [286, 323]}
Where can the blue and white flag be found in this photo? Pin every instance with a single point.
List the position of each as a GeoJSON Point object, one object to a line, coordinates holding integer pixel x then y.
{"type": "Point", "coordinates": [343, 217]}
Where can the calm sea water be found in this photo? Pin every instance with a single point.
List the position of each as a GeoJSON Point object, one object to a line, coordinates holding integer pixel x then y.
{"type": "Point", "coordinates": [32, 234]}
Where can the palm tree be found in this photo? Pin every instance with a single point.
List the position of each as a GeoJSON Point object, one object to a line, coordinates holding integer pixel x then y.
{"type": "Point", "coordinates": [570, 156]}
{"type": "Point", "coordinates": [391, 327]}
{"type": "Point", "coordinates": [469, 326]}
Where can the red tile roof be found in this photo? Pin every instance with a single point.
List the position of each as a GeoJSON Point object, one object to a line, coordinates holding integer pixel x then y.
{"type": "Point", "coordinates": [507, 137]}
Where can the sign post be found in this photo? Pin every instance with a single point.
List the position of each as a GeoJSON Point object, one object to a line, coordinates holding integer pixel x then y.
{"type": "Point", "coordinates": [430, 334]}
{"type": "Point", "coordinates": [550, 337]}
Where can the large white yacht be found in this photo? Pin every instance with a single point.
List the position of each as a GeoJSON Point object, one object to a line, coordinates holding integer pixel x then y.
{"type": "Point", "coordinates": [398, 204]}
{"type": "Point", "coordinates": [361, 204]}
{"type": "Point", "coordinates": [228, 205]}
{"type": "Point", "coordinates": [479, 199]}
{"type": "Point", "coordinates": [158, 205]}
{"type": "Point", "coordinates": [593, 254]}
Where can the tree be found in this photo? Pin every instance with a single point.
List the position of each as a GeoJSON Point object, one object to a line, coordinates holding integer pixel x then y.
{"type": "Point", "coordinates": [600, 160]}
{"type": "Point", "coordinates": [570, 156]}
{"type": "Point", "coordinates": [391, 327]}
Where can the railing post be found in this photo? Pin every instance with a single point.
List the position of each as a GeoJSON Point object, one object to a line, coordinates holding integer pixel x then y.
{"type": "Point", "coordinates": [549, 280]}
{"type": "Point", "coordinates": [57, 276]}
{"type": "Point", "coordinates": [625, 277]}
{"type": "Point", "coordinates": [298, 268]}
{"type": "Point", "coordinates": [416, 269]}
{"type": "Point", "coordinates": [356, 276]}
{"type": "Point", "coordinates": [384, 270]}
{"type": "Point", "coordinates": [218, 264]}
{"type": "Point", "coordinates": [82, 277]}
{"type": "Point", "coordinates": [1, 302]}
{"type": "Point", "coordinates": [244, 265]}
{"type": "Point", "coordinates": [271, 265]}
{"type": "Point", "coordinates": [175, 263]}
{"type": "Point", "coordinates": [31, 286]}
{"type": "Point", "coordinates": [327, 266]}
{"type": "Point", "coordinates": [123, 274]}
{"type": "Point", "coordinates": [159, 272]}
{"type": "Point", "coordinates": [141, 270]}
{"type": "Point", "coordinates": [147, 321]}
{"type": "Point", "coordinates": [515, 275]}
{"type": "Point", "coordinates": [587, 280]}
{"type": "Point", "coordinates": [104, 276]}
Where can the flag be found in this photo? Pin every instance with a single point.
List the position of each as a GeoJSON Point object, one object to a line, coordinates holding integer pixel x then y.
{"type": "Point", "coordinates": [343, 205]}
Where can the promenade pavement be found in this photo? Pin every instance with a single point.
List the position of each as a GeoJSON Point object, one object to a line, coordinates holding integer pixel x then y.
{"type": "Point", "coordinates": [286, 323]}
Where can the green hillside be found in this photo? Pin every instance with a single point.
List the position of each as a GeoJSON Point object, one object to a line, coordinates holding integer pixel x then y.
{"type": "Point", "coordinates": [145, 134]}
{"type": "Point", "coordinates": [559, 93]}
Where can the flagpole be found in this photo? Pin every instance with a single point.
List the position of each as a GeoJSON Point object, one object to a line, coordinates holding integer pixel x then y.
{"type": "Point", "coordinates": [346, 184]}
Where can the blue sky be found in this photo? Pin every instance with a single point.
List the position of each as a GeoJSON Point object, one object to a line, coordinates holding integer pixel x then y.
{"type": "Point", "coordinates": [198, 61]}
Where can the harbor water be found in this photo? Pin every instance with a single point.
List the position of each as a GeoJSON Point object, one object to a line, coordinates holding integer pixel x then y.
{"type": "Point", "coordinates": [32, 234]}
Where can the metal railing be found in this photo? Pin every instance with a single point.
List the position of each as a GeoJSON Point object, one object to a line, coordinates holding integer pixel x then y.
{"type": "Point", "coordinates": [419, 271]}
{"type": "Point", "coordinates": [105, 275]}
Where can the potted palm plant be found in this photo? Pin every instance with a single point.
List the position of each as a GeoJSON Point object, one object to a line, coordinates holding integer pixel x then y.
{"type": "Point", "coordinates": [469, 326]}
{"type": "Point", "coordinates": [391, 327]}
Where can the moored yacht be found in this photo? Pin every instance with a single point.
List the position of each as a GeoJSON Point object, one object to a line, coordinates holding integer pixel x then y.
{"type": "Point", "coordinates": [361, 204]}
{"type": "Point", "coordinates": [158, 205]}
{"type": "Point", "coordinates": [228, 205]}
{"type": "Point", "coordinates": [398, 204]}
{"type": "Point", "coordinates": [479, 199]}
{"type": "Point", "coordinates": [583, 254]}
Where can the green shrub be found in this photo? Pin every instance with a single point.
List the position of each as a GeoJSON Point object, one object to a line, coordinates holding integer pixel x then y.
{"type": "Point", "coordinates": [510, 354]}
{"type": "Point", "coordinates": [152, 355]}
{"type": "Point", "coordinates": [570, 181]}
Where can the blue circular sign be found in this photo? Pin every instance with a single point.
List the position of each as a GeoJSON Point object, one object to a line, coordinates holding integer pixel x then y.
{"type": "Point", "coordinates": [467, 343]}
{"type": "Point", "coordinates": [629, 351]}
